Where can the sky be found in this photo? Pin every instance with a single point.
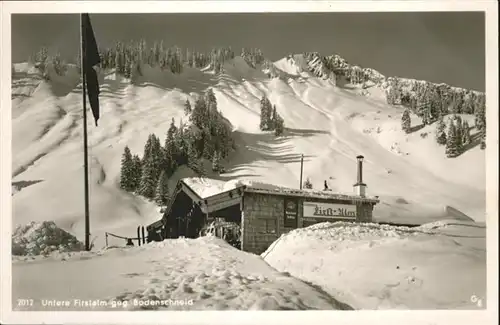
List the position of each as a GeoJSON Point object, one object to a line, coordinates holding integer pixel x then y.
{"type": "Point", "coordinates": [436, 46]}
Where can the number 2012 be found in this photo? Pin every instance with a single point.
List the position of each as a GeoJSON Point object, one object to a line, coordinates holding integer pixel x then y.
{"type": "Point", "coordinates": [25, 302]}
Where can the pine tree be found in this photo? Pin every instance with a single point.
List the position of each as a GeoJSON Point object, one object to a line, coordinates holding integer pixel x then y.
{"type": "Point", "coordinates": [483, 141]}
{"type": "Point", "coordinates": [466, 138]}
{"type": "Point", "coordinates": [172, 130]}
{"type": "Point", "coordinates": [394, 92]}
{"type": "Point", "coordinates": [208, 144]}
{"type": "Point", "coordinates": [126, 172]}
{"type": "Point", "coordinates": [41, 59]}
{"type": "Point", "coordinates": [468, 105]}
{"type": "Point", "coordinates": [181, 146]}
{"type": "Point", "coordinates": [434, 106]}
{"type": "Point", "coordinates": [426, 115]}
{"type": "Point", "coordinates": [274, 118]}
{"type": "Point", "coordinates": [480, 114]}
{"type": "Point", "coordinates": [135, 71]}
{"type": "Point", "coordinates": [280, 126]}
{"type": "Point", "coordinates": [136, 172]}
{"type": "Point", "coordinates": [441, 131]}
{"type": "Point", "coordinates": [480, 120]}
{"type": "Point", "coordinates": [265, 113]}
{"type": "Point", "coordinates": [451, 141]}
{"type": "Point", "coordinates": [459, 139]}
{"type": "Point", "coordinates": [221, 135]}
{"type": "Point", "coordinates": [187, 107]}
{"type": "Point", "coordinates": [406, 121]}
{"type": "Point", "coordinates": [157, 157]}
{"type": "Point", "coordinates": [58, 65]}
{"type": "Point", "coordinates": [127, 67]}
{"type": "Point", "coordinates": [170, 155]}
{"type": "Point", "coordinates": [148, 183]}
{"type": "Point", "coordinates": [308, 184]}
{"type": "Point", "coordinates": [458, 126]}
{"type": "Point", "coordinates": [200, 171]}
{"type": "Point", "coordinates": [152, 163]}
{"type": "Point", "coordinates": [199, 113]}
{"type": "Point", "coordinates": [210, 99]}
{"type": "Point", "coordinates": [193, 159]}
{"type": "Point", "coordinates": [147, 148]}
{"type": "Point", "coordinates": [216, 162]}
{"type": "Point", "coordinates": [118, 58]}
{"type": "Point", "coordinates": [162, 192]}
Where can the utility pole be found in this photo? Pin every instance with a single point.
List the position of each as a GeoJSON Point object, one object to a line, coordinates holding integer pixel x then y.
{"type": "Point", "coordinates": [301, 169]}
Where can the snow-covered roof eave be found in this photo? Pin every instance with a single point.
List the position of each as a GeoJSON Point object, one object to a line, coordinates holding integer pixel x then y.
{"type": "Point", "coordinates": [313, 194]}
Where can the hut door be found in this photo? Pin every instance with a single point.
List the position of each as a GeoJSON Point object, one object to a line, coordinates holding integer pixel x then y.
{"type": "Point", "coordinates": [195, 224]}
{"type": "Point", "coordinates": [181, 230]}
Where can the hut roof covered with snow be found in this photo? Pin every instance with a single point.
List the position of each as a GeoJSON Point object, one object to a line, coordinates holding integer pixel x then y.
{"type": "Point", "coordinates": [206, 188]}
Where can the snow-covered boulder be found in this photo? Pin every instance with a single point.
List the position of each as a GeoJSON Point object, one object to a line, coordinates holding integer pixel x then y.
{"type": "Point", "coordinates": [43, 238]}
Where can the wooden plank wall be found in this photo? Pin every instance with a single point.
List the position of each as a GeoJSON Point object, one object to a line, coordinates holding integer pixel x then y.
{"type": "Point", "coordinates": [264, 220]}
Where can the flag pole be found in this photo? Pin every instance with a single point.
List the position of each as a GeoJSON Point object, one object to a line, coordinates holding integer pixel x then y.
{"type": "Point", "coordinates": [85, 140]}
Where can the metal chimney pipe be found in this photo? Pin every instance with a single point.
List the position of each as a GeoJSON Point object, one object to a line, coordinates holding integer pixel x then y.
{"type": "Point", "coordinates": [360, 169]}
{"type": "Point", "coordinates": [360, 187]}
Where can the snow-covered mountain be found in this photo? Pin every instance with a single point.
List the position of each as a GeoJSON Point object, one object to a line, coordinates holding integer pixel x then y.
{"type": "Point", "coordinates": [330, 117]}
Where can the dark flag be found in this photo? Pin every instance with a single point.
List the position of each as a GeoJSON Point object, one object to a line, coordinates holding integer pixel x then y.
{"type": "Point", "coordinates": [90, 59]}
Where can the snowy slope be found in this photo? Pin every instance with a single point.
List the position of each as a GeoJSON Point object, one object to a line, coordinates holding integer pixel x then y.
{"type": "Point", "coordinates": [48, 153]}
{"type": "Point", "coordinates": [329, 125]}
{"type": "Point", "coordinates": [436, 266]}
{"type": "Point", "coordinates": [182, 274]}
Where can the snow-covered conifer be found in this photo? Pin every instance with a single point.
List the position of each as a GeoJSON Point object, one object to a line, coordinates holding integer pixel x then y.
{"type": "Point", "coordinates": [193, 159]}
{"type": "Point", "coordinates": [279, 126]}
{"type": "Point", "coordinates": [126, 171]}
{"type": "Point", "coordinates": [406, 121]}
{"type": "Point", "coordinates": [458, 126]}
{"type": "Point", "coordinates": [136, 172]}
{"type": "Point", "coordinates": [148, 182]}
{"type": "Point", "coordinates": [162, 191]}
{"type": "Point", "coordinates": [466, 138]}
{"type": "Point", "coordinates": [483, 141]}
{"type": "Point", "coordinates": [452, 141]}
{"type": "Point", "coordinates": [480, 115]}
{"type": "Point", "coordinates": [441, 131]}
{"type": "Point", "coordinates": [187, 107]}
{"type": "Point", "coordinates": [265, 113]}
{"type": "Point", "coordinates": [216, 161]}
{"type": "Point", "coordinates": [274, 119]}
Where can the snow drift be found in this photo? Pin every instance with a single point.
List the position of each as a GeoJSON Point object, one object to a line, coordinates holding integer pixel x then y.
{"type": "Point", "coordinates": [371, 266]}
{"type": "Point", "coordinates": [176, 274]}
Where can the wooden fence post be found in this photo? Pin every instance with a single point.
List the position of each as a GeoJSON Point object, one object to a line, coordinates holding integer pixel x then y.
{"type": "Point", "coordinates": [139, 235]}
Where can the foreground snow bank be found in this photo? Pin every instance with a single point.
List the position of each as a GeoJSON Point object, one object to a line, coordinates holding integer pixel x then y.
{"type": "Point", "coordinates": [43, 238]}
{"type": "Point", "coordinates": [176, 274]}
{"type": "Point", "coordinates": [370, 266]}
{"type": "Point", "coordinates": [207, 273]}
